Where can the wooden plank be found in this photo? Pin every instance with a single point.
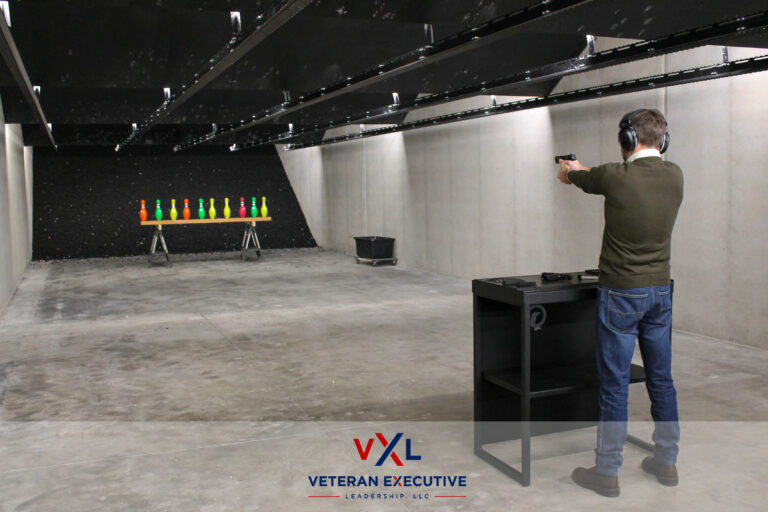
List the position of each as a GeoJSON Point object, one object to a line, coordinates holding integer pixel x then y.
{"type": "Point", "coordinates": [204, 221]}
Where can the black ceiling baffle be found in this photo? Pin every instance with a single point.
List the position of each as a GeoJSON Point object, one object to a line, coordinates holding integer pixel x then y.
{"type": "Point", "coordinates": [232, 52]}
{"type": "Point", "coordinates": [19, 73]}
{"type": "Point", "coordinates": [103, 66]}
{"type": "Point", "coordinates": [700, 74]}
{"type": "Point", "coordinates": [686, 39]}
{"type": "Point", "coordinates": [467, 40]}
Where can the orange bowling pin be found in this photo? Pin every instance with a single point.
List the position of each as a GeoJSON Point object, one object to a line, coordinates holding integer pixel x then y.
{"type": "Point", "coordinates": [143, 211]}
{"type": "Point", "coordinates": [185, 212]}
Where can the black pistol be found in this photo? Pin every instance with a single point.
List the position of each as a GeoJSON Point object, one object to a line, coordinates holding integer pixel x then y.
{"type": "Point", "coordinates": [564, 157]}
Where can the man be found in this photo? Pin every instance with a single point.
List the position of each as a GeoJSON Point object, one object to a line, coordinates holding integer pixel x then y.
{"type": "Point", "coordinates": [642, 197]}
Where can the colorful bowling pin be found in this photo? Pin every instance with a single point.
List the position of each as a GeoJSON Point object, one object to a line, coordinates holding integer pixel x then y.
{"type": "Point", "coordinates": [143, 211]}
{"type": "Point", "coordinates": [158, 211]}
{"type": "Point", "coordinates": [212, 210]}
{"type": "Point", "coordinates": [242, 208]}
{"type": "Point", "coordinates": [201, 210]}
{"type": "Point", "coordinates": [254, 210]}
{"type": "Point", "coordinates": [227, 211]}
{"type": "Point", "coordinates": [185, 212]}
{"type": "Point", "coordinates": [174, 211]}
{"type": "Point", "coordinates": [264, 210]}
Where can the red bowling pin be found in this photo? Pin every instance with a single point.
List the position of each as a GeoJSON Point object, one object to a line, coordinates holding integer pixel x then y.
{"type": "Point", "coordinates": [143, 212]}
{"type": "Point", "coordinates": [242, 208]}
{"type": "Point", "coordinates": [186, 213]}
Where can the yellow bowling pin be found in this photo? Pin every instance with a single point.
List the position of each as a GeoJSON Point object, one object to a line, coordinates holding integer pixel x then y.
{"type": "Point", "coordinates": [264, 210]}
{"type": "Point", "coordinates": [227, 211]}
{"type": "Point", "coordinates": [174, 212]}
{"type": "Point", "coordinates": [212, 210]}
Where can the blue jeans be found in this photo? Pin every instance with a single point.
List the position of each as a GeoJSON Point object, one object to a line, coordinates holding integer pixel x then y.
{"type": "Point", "coordinates": [624, 315]}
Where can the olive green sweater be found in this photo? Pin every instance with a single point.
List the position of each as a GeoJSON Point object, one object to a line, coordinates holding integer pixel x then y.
{"type": "Point", "coordinates": [641, 203]}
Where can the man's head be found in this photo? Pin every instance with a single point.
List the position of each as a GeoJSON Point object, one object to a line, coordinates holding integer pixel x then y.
{"type": "Point", "coordinates": [642, 129]}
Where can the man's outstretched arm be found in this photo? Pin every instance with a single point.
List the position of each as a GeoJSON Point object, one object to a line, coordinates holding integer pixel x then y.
{"type": "Point", "coordinates": [573, 172]}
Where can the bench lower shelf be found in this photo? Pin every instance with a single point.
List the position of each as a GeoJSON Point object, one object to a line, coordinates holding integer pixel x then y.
{"type": "Point", "coordinates": [553, 381]}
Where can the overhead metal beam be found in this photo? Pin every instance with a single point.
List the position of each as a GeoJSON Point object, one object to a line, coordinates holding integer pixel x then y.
{"type": "Point", "coordinates": [233, 51]}
{"type": "Point", "coordinates": [720, 70]}
{"type": "Point", "coordinates": [18, 71]}
{"type": "Point", "coordinates": [684, 40]}
{"type": "Point", "coordinates": [467, 40]}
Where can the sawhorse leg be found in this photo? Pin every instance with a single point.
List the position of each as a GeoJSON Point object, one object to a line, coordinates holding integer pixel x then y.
{"type": "Point", "coordinates": [248, 236]}
{"type": "Point", "coordinates": [158, 235]}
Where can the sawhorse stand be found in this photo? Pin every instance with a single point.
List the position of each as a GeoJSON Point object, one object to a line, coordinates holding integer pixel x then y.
{"type": "Point", "coordinates": [158, 236]}
{"type": "Point", "coordinates": [249, 235]}
{"type": "Point", "coordinates": [250, 239]}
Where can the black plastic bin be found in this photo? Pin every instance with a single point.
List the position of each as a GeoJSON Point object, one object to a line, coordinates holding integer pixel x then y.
{"type": "Point", "coordinates": [375, 249]}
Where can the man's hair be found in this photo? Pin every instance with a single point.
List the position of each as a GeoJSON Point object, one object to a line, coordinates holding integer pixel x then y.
{"type": "Point", "coordinates": [650, 127]}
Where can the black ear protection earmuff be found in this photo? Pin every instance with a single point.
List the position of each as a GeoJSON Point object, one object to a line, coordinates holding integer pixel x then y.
{"type": "Point", "coordinates": [628, 136]}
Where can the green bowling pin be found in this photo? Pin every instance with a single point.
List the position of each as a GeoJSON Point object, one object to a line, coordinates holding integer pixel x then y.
{"type": "Point", "coordinates": [158, 211]}
{"type": "Point", "coordinates": [201, 210]}
{"type": "Point", "coordinates": [254, 210]}
{"type": "Point", "coordinates": [264, 210]}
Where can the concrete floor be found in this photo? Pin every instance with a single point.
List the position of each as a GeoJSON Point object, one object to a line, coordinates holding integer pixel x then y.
{"type": "Point", "coordinates": [216, 385]}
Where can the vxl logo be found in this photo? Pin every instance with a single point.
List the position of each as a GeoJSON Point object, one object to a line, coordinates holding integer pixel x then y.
{"type": "Point", "coordinates": [389, 449]}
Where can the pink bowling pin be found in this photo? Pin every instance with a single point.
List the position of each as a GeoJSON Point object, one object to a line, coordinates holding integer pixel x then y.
{"type": "Point", "coordinates": [242, 207]}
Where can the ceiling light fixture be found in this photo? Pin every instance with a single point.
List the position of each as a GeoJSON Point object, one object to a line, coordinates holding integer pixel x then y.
{"type": "Point", "coordinates": [237, 25]}
{"type": "Point", "coordinates": [6, 8]}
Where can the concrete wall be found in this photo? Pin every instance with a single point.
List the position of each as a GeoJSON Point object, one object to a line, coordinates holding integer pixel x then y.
{"type": "Point", "coordinates": [458, 199]}
{"type": "Point", "coordinates": [479, 198]}
{"type": "Point", "coordinates": [15, 209]}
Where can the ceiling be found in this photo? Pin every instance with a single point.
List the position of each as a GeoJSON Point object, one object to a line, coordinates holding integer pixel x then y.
{"type": "Point", "coordinates": [102, 64]}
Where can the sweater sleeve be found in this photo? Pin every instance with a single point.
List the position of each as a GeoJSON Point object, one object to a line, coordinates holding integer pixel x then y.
{"type": "Point", "coordinates": [591, 182]}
